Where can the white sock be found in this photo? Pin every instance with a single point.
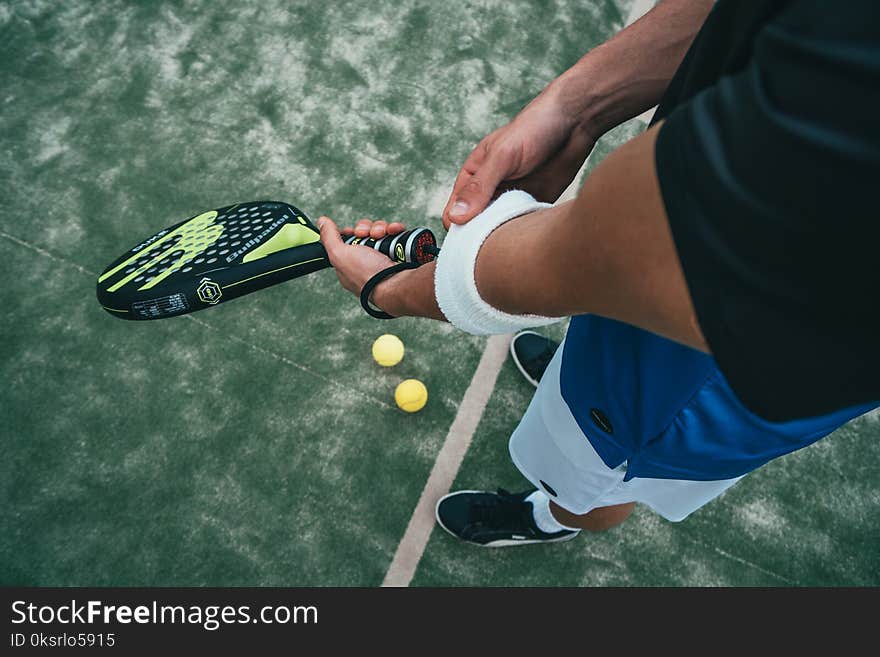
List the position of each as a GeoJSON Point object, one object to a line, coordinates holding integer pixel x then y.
{"type": "Point", "coordinates": [543, 517]}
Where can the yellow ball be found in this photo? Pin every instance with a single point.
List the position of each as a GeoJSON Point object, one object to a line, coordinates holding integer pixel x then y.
{"type": "Point", "coordinates": [387, 350]}
{"type": "Point", "coordinates": [411, 395]}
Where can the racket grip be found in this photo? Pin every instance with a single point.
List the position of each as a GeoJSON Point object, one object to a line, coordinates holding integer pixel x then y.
{"type": "Point", "coordinates": [417, 245]}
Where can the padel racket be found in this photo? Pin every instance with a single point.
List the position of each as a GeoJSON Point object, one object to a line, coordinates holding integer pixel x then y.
{"type": "Point", "coordinates": [226, 253]}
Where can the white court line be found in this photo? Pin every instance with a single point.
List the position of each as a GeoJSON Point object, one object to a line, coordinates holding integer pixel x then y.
{"type": "Point", "coordinates": [418, 531]}
{"type": "Point", "coordinates": [44, 252]}
{"type": "Point", "coordinates": [458, 439]}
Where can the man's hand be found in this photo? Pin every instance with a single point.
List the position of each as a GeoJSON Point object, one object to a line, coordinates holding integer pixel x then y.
{"type": "Point", "coordinates": [540, 151]}
{"type": "Point", "coordinates": [355, 264]}
{"type": "Point", "coordinates": [408, 292]}
{"type": "Point", "coordinates": [543, 148]}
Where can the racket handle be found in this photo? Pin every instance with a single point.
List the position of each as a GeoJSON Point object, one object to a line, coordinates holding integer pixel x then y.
{"type": "Point", "coordinates": [417, 245]}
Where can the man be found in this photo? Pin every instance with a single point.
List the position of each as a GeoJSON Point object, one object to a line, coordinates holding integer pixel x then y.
{"type": "Point", "coordinates": [720, 268]}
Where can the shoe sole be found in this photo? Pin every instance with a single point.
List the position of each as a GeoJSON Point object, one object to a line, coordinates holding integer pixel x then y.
{"type": "Point", "coordinates": [494, 544]}
{"type": "Point", "coordinates": [516, 362]}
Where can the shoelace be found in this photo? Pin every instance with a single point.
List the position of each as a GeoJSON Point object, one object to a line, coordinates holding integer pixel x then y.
{"type": "Point", "coordinates": [498, 511]}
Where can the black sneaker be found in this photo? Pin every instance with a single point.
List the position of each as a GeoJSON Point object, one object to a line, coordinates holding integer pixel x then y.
{"type": "Point", "coordinates": [493, 519]}
{"type": "Point", "coordinates": [532, 353]}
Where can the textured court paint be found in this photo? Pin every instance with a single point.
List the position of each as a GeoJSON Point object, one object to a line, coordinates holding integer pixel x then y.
{"type": "Point", "coordinates": [163, 454]}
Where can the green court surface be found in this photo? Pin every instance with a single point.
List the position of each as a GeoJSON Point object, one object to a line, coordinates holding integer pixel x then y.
{"type": "Point", "coordinates": [257, 443]}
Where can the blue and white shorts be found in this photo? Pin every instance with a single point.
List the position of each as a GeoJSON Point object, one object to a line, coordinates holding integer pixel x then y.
{"type": "Point", "coordinates": [552, 452]}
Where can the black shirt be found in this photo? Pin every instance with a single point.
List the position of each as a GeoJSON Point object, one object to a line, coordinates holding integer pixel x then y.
{"type": "Point", "coordinates": [769, 167]}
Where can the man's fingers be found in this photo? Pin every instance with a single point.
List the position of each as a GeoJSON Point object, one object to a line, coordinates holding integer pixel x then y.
{"type": "Point", "coordinates": [362, 228]}
{"type": "Point", "coordinates": [330, 237]}
{"type": "Point", "coordinates": [372, 229]}
{"type": "Point", "coordinates": [473, 193]}
{"type": "Point", "coordinates": [381, 228]}
{"type": "Point", "coordinates": [468, 169]}
{"type": "Point", "coordinates": [472, 198]}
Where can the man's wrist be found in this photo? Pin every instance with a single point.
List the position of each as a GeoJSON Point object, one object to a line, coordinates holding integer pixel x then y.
{"type": "Point", "coordinates": [386, 294]}
{"type": "Point", "coordinates": [409, 293]}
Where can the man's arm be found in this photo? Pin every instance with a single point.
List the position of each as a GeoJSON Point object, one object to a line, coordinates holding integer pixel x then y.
{"type": "Point", "coordinates": [542, 148]}
{"type": "Point", "coordinates": [609, 252]}
{"type": "Point", "coordinates": [628, 74]}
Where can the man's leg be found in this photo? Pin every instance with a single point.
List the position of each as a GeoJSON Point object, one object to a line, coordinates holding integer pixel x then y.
{"type": "Point", "coordinates": [573, 488]}
{"type": "Point", "coordinates": [596, 520]}
{"type": "Point", "coordinates": [531, 352]}
{"type": "Point", "coordinates": [550, 517]}
{"type": "Point", "coordinates": [500, 519]}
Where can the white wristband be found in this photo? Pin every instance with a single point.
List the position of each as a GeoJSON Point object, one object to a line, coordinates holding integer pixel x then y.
{"type": "Point", "coordinates": [455, 285]}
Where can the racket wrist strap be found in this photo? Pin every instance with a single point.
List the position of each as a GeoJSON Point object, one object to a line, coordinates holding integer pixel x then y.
{"type": "Point", "coordinates": [370, 285]}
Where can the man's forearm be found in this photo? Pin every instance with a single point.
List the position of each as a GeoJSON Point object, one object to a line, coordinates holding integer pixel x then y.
{"type": "Point", "coordinates": [609, 252]}
{"type": "Point", "coordinates": [409, 293]}
{"type": "Point", "coordinates": [629, 73]}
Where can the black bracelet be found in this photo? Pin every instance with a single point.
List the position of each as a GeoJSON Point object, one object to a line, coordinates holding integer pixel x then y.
{"type": "Point", "coordinates": [371, 284]}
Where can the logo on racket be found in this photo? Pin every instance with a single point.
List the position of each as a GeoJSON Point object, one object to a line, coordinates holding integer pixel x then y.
{"type": "Point", "coordinates": [398, 253]}
{"type": "Point", "coordinates": [209, 291]}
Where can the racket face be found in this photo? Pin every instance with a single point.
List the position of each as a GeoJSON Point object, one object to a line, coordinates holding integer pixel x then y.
{"type": "Point", "coordinates": [211, 258]}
